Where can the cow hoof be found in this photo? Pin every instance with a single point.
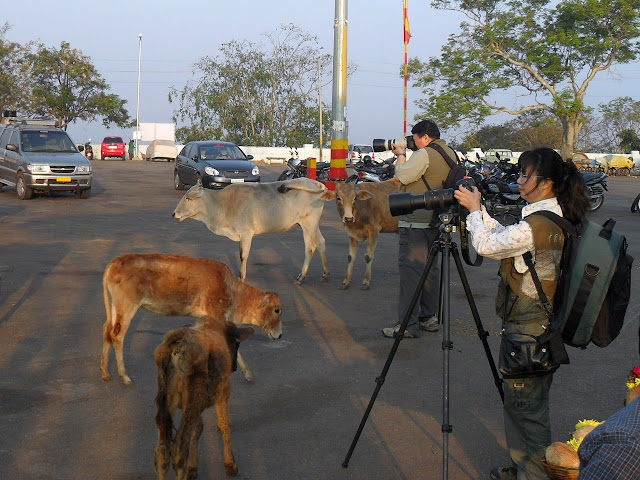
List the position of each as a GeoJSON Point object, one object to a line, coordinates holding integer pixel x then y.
{"type": "Point", "coordinates": [297, 281]}
{"type": "Point", "coordinates": [232, 470]}
{"type": "Point", "coordinates": [344, 286]}
{"type": "Point", "coordinates": [192, 473]}
{"type": "Point", "coordinates": [248, 377]}
{"type": "Point", "coordinates": [365, 286]}
{"type": "Point", "coordinates": [106, 377]}
{"type": "Point", "coordinates": [325, 278]}
{"type": "Point", "coordinates": [127, 381]}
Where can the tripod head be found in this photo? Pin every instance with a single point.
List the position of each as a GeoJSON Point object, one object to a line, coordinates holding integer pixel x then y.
{"type": "Point", "coordinates": [448, 220]}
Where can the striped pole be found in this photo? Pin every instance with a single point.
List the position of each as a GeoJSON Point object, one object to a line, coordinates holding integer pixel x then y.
{"type": "Point", "coordinates": [339, 127]}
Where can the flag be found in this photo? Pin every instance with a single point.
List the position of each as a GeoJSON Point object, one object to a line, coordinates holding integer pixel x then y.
{"type": "Point", "coordinates": [407, 33]}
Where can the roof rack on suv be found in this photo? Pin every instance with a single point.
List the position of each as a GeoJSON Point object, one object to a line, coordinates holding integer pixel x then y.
{"type": "Point", "coordinates": [9, 116]}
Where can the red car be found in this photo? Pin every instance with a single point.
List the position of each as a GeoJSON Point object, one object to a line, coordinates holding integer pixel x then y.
{"type": "Point", "coordinates": [112, 147]}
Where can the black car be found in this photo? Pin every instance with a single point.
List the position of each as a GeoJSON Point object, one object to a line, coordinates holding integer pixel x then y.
{"type": "Point", "coordinates": [216, 164]}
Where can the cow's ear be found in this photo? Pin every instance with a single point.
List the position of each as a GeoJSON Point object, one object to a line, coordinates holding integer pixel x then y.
{"type": "Point", "coordinates": [364, 195]}
{"type": "Point", "coordinates": [265, 301]}
{"type": "Point", "coordinates": [329, 195]}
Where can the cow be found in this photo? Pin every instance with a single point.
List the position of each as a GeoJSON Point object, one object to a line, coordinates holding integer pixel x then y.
{"type": "Point", "coordinates": [177, 285]}
{"type": "Point", "coordinates": [364, 211]}
{"type": "Point", "coordinates": [194, 365]}
{"type": "Point", "coordinates": [244, 210]}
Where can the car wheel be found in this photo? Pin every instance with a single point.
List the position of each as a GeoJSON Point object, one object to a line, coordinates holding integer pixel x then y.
{"type": "Point", "coordinates": [84, 194]}
{"type": "Point", "coordinates": [177, 183]}
{"type": "Point", "coordinates": [23, 190]}
{"type": "Point", "coordinates": [635, 206]}
{"type": "Point", "coordinates": [198, 180]}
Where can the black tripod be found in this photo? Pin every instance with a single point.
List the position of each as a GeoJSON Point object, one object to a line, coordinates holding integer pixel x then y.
{"type": "Point", "coordinates": [442, 244]}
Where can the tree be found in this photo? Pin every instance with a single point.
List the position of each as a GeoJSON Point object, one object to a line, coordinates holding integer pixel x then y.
{"type": "Point", "coordinates": [68, 87]}
{"type": "Point", "coordinates": [629, 140]}
{"type": "Point", "coordinates": [542, 53]}
{"type": "Point", "coordinates": [14, 73]}
{"type": "Point", "coordinates": [253, 93]}
{"type": "Point", "coordinates": [622, 114]}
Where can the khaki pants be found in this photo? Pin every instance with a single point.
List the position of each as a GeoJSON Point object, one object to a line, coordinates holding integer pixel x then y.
{"type": "Point", "coordinates": [526, 423]}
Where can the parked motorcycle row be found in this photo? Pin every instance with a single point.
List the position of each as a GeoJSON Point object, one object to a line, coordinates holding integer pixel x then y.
{"type": "Point", "coordinates": [497, 181]}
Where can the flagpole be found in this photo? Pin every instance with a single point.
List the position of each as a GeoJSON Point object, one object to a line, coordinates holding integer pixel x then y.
{"type": "Point", "coordinates": [407, 35]}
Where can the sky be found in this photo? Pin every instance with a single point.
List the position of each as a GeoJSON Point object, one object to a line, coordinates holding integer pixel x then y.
{"type": "Point", "coordinates": [175, 35]}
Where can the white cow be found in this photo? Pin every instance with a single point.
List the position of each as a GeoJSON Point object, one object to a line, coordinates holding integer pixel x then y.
{"type": "Point", "coordinates": [244, 210]}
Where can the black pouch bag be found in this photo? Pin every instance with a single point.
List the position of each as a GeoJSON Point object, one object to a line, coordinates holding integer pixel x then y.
{"type": "Point", "coordinates": [523, 356]}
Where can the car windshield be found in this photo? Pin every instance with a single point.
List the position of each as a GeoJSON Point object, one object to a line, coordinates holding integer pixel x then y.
{"type": "Point", "coordinates": [46, 141]}
{"type": "Point", "coordinates": [221, 152]}
{"type": "Point", "coordinates": [112, 140]}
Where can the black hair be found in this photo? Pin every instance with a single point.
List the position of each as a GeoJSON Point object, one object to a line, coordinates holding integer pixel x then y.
{"type": "Point", "coordinates": [426, 127]}
{"type": "Point", "coordinates": [568, 183]}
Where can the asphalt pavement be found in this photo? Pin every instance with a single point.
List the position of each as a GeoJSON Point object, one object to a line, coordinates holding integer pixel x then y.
{"type": "Point", "coordinates": [59, 420]}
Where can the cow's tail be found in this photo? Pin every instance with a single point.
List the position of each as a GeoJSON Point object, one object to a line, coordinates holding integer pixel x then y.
{"type": "Point", "coordinates": [107, 328]}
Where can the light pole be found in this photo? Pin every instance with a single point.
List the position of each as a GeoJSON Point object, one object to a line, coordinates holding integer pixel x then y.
{"type": "Point", "coordinates": [137, 134]}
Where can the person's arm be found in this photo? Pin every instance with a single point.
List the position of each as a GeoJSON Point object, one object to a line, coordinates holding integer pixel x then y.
{"type": "Point", "coordinates": [612, 461]}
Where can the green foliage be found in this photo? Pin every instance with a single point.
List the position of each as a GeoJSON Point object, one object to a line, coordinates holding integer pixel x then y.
{"type": "Point", "coordinates": [629, 140]}
{"type": "Point", "coordinates": [252, 93]}
{"type": "Point", "coordinates": [14, 73]}
{"type": "Point", "coordinates": [67, 86]}
{"type": "Point", "coordinates": [521, 56]}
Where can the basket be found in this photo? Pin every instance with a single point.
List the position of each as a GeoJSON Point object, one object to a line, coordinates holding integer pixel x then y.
{"type": "Point", "coordinates": [560, 473]}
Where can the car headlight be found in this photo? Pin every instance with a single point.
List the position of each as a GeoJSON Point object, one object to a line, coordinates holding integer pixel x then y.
{"type": "Point", "coordinates": [84, 169]}
{"type": "Point", "coordinates": [211, 171]}
{"type": "Point", "coordinates": [38, 168]}
{"type": "Point", "coordinates": [255, 171]}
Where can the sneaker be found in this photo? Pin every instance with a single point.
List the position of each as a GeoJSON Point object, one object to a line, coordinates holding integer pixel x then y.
{"type": "Point", "coordinates": [430, 324]}
{"type": "Point", "coordinates": [506, 473]}
{"type": "Point", "coordinates": [392, 332]}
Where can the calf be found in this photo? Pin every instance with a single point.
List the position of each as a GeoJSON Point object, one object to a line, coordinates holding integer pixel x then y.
{"type": "Point", "coordinates": [243, 210]}
{"type": "Point", "coordinates": [194, 365]}
{"type": "Point", "coordinates": [364, 210]}
{"type": "Point", "coordinates": [178, 285]}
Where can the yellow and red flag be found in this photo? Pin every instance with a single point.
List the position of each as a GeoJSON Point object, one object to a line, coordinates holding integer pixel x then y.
{"type": "Point", "coordinates": [407, 32]}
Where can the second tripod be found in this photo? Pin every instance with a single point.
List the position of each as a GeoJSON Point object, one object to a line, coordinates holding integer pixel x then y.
{"type": "Point", "coordinates": [443, 244]}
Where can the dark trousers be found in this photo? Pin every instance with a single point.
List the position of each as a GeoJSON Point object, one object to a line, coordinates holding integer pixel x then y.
{"type": "Point", "coordinates": [412, 258]}
{"type": "Point", "coordinates": [526, 423]}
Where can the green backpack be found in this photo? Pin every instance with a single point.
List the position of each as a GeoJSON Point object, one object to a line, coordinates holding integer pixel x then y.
{"type": "Point", "coordinates": [594, 286]}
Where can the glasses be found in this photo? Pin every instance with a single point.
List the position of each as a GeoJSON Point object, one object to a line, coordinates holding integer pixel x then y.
{"type": "Point", "coordinates": [526, 177]}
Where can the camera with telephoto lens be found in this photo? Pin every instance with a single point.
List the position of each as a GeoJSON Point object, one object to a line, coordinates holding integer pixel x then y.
{"type": "Point", "coordinates": [439, 200]}
{"type": "Point", "coordinates": [382, 145]}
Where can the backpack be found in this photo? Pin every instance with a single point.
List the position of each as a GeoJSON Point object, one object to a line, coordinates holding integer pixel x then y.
{"type": "Point", "coordinates": [594, 285]}
{"type": "Point", "coordinates": [458, 170]}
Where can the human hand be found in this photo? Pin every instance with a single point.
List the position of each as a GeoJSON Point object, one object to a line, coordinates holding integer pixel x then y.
{"type": "Point", "coordinates": [469, 199]}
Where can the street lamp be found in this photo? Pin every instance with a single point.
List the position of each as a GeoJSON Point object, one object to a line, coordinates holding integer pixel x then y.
{"type": "Point", "coordinates": [137, 134]}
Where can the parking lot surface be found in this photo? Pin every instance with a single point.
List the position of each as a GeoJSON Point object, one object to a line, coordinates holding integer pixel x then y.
{"type": "Point", "coordinates": [59, 420]}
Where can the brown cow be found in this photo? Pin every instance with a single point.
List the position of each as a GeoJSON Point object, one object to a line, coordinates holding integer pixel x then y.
{"type": "Point", "coordinates": [178, 285]}
{"type": "Point", "coordinates": [364, 210]}
{"type": "Point", "coordinates": [243, 210]}
{"type": "Point", "coordinates": [194, 365]}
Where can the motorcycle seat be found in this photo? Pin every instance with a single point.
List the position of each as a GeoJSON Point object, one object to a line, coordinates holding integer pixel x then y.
{"type": "Point", "coordinates": [591, 176]}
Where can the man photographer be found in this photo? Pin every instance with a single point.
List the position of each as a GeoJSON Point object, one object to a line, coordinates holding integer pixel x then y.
{"type": "Point", "coordinates": [425, 170]}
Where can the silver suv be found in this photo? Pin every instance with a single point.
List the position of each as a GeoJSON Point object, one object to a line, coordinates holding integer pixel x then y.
{"type": "Point", "coordinates": [35, 155]}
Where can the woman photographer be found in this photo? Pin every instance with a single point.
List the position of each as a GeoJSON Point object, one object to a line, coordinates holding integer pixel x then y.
{"type": "Point", "coordinates": [547, 183]}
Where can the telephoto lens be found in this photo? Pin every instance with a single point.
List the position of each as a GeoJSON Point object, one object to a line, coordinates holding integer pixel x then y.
{"type": "Point", "coordinates": [382, 145]}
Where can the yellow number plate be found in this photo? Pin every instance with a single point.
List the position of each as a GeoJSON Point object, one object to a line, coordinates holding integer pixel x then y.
{"type": "Point", "coordinates": [63, 179]}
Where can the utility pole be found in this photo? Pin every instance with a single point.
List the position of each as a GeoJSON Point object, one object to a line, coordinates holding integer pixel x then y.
{"type": "Point", "coordinates": [320, 108]}
{"type": "Point", "coordinates": [339, 127]}
{"type": "Point", "coordinates": [136, 155]}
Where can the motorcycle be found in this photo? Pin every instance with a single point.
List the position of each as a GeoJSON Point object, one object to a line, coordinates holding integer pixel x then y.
{"type": "Point", "coordinates": [368, 171]}
{"type": "Point", "coordinates": [297, 168]}
{"type": "Point", "coordinates": [596, 185]}
{"type": "Point", "coordinates": [88, 150]}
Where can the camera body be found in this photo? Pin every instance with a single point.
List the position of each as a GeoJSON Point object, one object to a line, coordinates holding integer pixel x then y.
{"type": "Point", "coordinates": [382, 145]}
{"type": "Point", "coordinates": [439, 200]}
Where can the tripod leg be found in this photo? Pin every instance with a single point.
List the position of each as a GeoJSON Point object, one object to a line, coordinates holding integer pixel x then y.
{"type": "Point", "coordinates": [482, 333]}
{"type": "Point", "coordinates": [433, 252]}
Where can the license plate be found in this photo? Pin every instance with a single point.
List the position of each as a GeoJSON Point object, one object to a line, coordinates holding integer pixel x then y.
{"type": "Point", "coordinates": [237, 180]}
{"type": "Point", "coordinates": [63, 179]}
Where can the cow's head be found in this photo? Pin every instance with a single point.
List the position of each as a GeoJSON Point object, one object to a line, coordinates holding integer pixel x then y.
{"type": "Point", "coordinates": [270, 313]}
{"type": "Point", "coordinates": [346, 196]}
{"type": "Point", "coordinates": [191, 203]}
